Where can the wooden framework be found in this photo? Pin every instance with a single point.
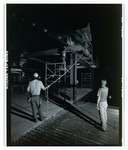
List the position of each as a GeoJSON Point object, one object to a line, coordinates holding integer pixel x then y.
{"type": "Point", "coordinates": [54, 71]}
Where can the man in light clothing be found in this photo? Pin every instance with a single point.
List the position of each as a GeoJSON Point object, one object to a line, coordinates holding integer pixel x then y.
{"type": "Point", "coordinates": [102, 104]}
{"type": "Point", "coordinates": [34, 88]}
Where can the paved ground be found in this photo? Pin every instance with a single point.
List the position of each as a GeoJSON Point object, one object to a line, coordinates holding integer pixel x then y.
{"type": "Point", "coordinates": [78, 122]}
{"type": "Point", "coordinates": [21, 114]}
{"type": "Point", "coordinates": [76, 125]}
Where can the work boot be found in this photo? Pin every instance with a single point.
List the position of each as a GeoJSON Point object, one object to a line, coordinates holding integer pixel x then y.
{"type": "Point", "coordinates": [35, 120]}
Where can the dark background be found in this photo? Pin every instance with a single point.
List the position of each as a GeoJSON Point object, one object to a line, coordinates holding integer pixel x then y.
{"type": "Point", "coordinates": [25, 24]}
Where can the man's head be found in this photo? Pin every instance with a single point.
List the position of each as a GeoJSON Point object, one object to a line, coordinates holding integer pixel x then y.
{"type": "Point", "coordinates": [35, 75]}
{"type": "Point", "coordinates": [103, 82]}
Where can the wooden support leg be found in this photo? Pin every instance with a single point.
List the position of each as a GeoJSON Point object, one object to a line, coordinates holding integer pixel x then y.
{"type": "Point", "coordinates": [73, 78]}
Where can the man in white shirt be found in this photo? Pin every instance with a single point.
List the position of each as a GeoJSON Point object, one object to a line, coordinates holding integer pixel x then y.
{"type": "Point", "coordinates": [34, 88]}
{"type": "Point", "coordinates": [102, 103]}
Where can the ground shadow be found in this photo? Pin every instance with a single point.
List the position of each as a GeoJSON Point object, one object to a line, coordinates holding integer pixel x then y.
{"type": "Point", "coordinates": [21, 113]}
{"type": "Point", "coordinates": [70, 107]}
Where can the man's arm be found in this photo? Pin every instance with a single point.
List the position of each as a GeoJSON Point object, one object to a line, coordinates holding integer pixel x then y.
{"type": "Point", "coordinates": [29, 97]}
{"type": "Point", "coordinates": [98, 100]}
{"type": "Point", "coordinates": [98, 97]}
{"type": "Point", "coordinates": [43, 87]}
{"type": "Point", "coordinates": [28, 88]}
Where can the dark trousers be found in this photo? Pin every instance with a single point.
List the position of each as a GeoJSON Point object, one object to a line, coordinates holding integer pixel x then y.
{"type": "Point", "coordinates": [36, 107]}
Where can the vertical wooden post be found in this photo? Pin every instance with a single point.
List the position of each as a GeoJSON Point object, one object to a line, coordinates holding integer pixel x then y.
{"type": "Point", "coordinates": [73, 77]}
{"type": "Point", "coordinates": [64, 78]}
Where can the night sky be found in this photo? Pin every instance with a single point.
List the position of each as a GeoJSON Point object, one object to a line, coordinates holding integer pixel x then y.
{"type": "Point", "coordinates": [105, 22]}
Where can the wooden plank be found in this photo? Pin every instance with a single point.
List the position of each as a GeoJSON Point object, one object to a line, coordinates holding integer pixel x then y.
{"type": "Point", "coordinates": [38, 60]}
{"type": "Point", "coordinates": [84, 64]}
{"type": "Point", "coordinates": [91, 132]}
{"type": "Point", "coordinates": [113, 118]}
{"type": "Point", "coordinates": [113, 111]}
{"type": "Point", "coordinates": [81, 35]}
{"type": "Point", "coordinates": [42, 53]}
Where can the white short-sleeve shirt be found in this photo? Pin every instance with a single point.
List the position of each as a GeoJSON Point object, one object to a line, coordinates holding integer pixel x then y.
{"type": "Point", "coordinates": [103, 94]}
{"type": "Point", "coordinates": [35, 87]}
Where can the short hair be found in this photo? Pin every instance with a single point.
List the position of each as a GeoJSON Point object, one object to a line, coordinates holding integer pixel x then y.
{"type": "Point", "coordinates": [103, 81]}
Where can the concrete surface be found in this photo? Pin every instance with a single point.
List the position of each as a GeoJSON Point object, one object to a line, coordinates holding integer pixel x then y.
{"type": "Point", "coordinates": [21, 114]}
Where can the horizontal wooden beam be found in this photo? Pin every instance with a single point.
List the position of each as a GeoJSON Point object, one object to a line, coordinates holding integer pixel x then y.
{"type": "Point", "coordinates": [84, 63]}
{"type": "Point", "coordinates": [35, 59]}
{"type": "Point", "coordinates": [81, 67]}
{"type": "Point", "coordinates": [42, 53]}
